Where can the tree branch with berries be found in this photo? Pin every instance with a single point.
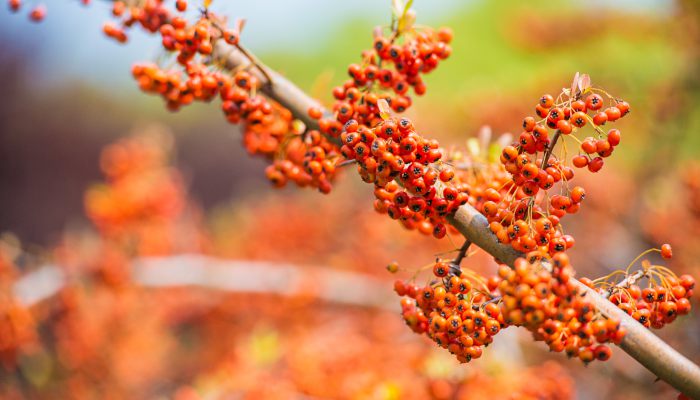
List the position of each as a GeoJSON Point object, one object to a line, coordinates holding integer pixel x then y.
{"type": "Point", "coordinates": [510, 205]}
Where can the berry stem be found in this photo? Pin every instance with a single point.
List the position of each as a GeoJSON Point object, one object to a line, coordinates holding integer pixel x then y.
{"type": "Point", "coordinates": [627, 282]}
{"type": "Point", "coordinates": [462, 252]}
{"type": "Point", "coordinates": [550, 149]}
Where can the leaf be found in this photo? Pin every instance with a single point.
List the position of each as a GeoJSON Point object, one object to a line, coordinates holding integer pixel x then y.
{"type": "Point", "coordinates": [384, 109]}
{"type": "Point", "coordinates": [207, 3]}
{"type": "Point", "coordinates": [407, 19]}
{"type": "Point", "coordinates": [406, 22]}
{"type": "Point", "coordinates": [240, 23]}
{"type": "Point", "coordinates": [574, 85]}
{"type": "Point", "coordinates": [584, 83]}
{"type": "Point", "coordinates": [397, 7]}
{"type": "Point", "coordinates": [494, 152]}
{"type": "Point", "coordinates": [407, 7]}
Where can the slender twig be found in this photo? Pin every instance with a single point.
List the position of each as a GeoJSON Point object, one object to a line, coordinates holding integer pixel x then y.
{"type": "Point", "coordinates": [627, 282]}
{"type": "Point", "coordinates": [345, 163]}
{"type": "Point", "coordinates": [550, 149]}
{"type": "Point", "coordinates": [257, 64]}
{"type": "Point", "coordinates": [462, 252]}
{"type": "Point", "coordinates": [254, 60]}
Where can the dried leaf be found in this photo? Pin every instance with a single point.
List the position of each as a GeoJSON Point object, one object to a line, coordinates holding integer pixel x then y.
{"type": "Point", "coordinates": [384, 109]}
{"type": "Point", "coordinates": [574, 85]}
{"type": "Point", "coordinates": [584, 83]}
{"type": "Point", "coordinates": [240, 23]}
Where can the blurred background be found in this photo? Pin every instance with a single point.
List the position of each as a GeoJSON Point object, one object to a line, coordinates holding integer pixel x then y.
{"type": "Point", "coordinates": [276, 305]}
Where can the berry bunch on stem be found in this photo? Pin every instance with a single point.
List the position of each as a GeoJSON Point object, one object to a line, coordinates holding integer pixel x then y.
{"type": "Point", "coordinates": [457, 310]}
{"type": "Point", "coordinates": [665, 297]}
{"type": "Point", "coordinates": [523, 211]}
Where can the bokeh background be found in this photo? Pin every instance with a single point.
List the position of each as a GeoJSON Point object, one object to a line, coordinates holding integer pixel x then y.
{"type": "Point", "coordinates": [67, 93]}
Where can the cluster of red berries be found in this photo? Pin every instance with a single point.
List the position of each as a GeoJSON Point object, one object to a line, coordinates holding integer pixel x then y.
{"type": "Point", "coordinates": [665, 297]}
{"type": "Point", "coordinates": [307, 160]}
{"type": "Point", "coordinates": [37, 13]}
{"type": "Point", "coordinates": [521, 212]}
{"type": "Point", "coordinates": [149, 14]}
{"type": "Point", "coordinates": [268, 128]}
{"type": "Point", "coordinates": [456, 313]}
{"type": "Point", "coordinates": [393, 150]}
{"type": "Point", "coordinates": [462, 312]}
{"type": "Point", "coordinates": [539, 296]}
{"type": "Point", "coordinates": [139, 186]}
{"type": "Point", "coordinates": [656, 305]}
{"type": "Point", "coordinates": [373, 80]}
{"type": "Point", "coordinates": [388, 149]}
{"type": "Point", "coordinates": [192, 44]}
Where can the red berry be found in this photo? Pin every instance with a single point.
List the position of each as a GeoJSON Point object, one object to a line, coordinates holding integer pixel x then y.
{"type": "Point", "coordinates": [666, 251]}
{"type": "Point", "coordinates": [594, 102]}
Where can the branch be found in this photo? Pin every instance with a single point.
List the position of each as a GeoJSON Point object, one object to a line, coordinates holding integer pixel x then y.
{"type": "Point", "coordinates": [640, 343]}
{"type": "Point", "coordinates": [236, 276]}
{"type": "Point", "coordinates": [279, 89]}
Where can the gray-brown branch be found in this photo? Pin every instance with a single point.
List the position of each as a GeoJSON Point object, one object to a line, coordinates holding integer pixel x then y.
{"type": "Point", "coordinates": [640, 343]}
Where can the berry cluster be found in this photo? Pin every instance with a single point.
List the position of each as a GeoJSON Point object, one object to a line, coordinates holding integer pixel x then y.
{"type": "Point", "coordinates": [522, 212]}
{"type": "Point", "coordinates": [372, 80]}
{"type": "Point", "coordinates": [139, 185]}
{"type": "Point", "coordinates": [149, 14]}
{"type": "Point", "coordinates": [269, 129]}
{"type": "Point", "coordinates": [665, 297]}
{"type": "Point", "coordinates": [462, 311]}
{"type": "Point", "coordinates": [457, 311]}
{"type": "Point", "coordinates": [394, 152]}
{"type": "Point", "coordinates": [388, 149]}
{"type": "Point", "coordinates": [540, 297]}
{"type": "Point", "coordinates": [142, 203]}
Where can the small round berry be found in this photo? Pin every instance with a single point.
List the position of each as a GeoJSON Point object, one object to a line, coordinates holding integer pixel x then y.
{"type": "Point", "coordinates": [594, 102]}
{"type": "Point", "coordinates": [580, 161]}
{"type": "Point", "coordinates": [38, 13]}
{"type": "Point", "coordinates": [392, 267]}
{"type": "Point", "coordinates": [666, 251]}
{"type": "Point", "coordinates": [546, 101]}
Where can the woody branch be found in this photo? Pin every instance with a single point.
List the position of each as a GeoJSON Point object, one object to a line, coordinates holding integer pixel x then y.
{"type": "Point", "coordinates": [640, 343]}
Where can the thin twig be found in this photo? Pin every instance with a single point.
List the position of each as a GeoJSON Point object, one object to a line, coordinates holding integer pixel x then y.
{"type": "Point", "coordinates": [627, 282]}
{"type": "Point", "coordinates": [462, 252]}
{"type": "Point", "coordinates": [550, 149]}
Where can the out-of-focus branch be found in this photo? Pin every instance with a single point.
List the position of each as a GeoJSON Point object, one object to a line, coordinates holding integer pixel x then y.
{"type": "Point", "coordinates": [236, 276]}
{"type": "Point", "coordinates": [647, 348]}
